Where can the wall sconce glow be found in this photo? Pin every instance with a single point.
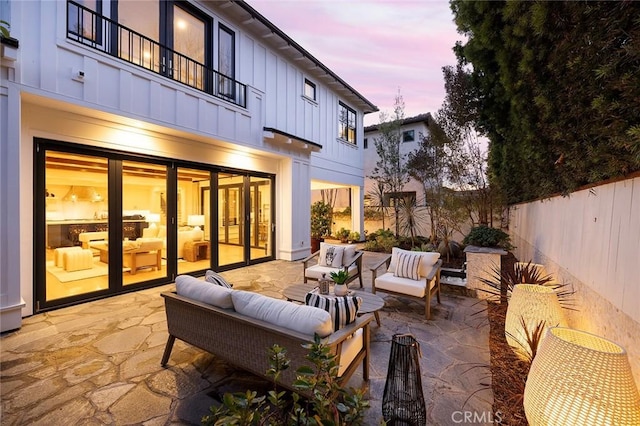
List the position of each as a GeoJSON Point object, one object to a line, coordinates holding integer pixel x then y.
{"type": "Point", "coordinates": [578, 378]}
{"type": "Point", "coordinates": [146, 54]}
{"type": "Point", "coordinates": [181, 24]}
{"type": "Point", "coordinates": [531, 303]}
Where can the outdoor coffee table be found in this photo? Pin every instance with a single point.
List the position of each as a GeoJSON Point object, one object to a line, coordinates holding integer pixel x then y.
{"type": "Point", "coordinates": [371, 303]}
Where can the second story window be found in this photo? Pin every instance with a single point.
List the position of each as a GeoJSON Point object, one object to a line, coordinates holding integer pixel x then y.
{"type": "Point", "coordinates": [346, 123]}
{"type": "Point", "coordinates": [82, 22]}
{"type": "Point", "coordinates": [226, 61]}
{"type": "Point", "coordinates": [408, 136]}
{"type": "Point", "coordinates": [309, 89]}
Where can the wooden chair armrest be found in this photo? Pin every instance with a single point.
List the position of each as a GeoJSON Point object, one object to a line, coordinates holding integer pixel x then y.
{"type": "Point", "coordinates": [308, 258]}
{"type": "Point", "coordinates": [356, 258]}
{"type": "Point", "coordinates": [375, 267]}
{"type": "Point", "coordinates": [374, 271]}
{"type": "Point", "coordinates": [435, 270]}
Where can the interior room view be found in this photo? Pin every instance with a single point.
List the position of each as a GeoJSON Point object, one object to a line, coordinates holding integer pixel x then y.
{"type": "Point", "coordinates": [79, 211]}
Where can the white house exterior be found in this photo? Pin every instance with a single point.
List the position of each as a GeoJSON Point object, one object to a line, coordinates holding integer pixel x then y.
{"type": "Point", "coordinates": [142, 140]}
{"type": "Point", "coordinates": [413, 130]}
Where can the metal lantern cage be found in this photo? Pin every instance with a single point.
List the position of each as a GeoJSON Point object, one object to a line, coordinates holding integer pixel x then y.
{"type": "Point", "coordinates": [403, 400]}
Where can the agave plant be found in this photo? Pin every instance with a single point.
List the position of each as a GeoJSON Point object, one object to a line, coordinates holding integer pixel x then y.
{"type": "Point", "coordinates": [340, 276]}
{"type": "Point", "coordinates": [502, 280]}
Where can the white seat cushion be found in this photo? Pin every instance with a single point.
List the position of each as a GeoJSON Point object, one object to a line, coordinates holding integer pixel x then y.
{"type": "Point", "coordinates": [315, 272]}
{"type": "Point", "coordinates": [301, 318]}
{"type": "Point", "coordinates": [416, 288]}
{"type": "Point", "coordinates": [350, 349]}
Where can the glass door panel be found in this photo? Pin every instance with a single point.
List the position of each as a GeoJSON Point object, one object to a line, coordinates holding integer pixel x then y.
{"type": "Point", "coordinates": [230, 219]}
{"type": "Point", "coordinates": [144, 222]}
{"type": "Point", "coordinates": [76, 214]}
{"type": "Point", "coordinates": [194, 221]}
{"type": "Point", "coordinates": [260, 218]}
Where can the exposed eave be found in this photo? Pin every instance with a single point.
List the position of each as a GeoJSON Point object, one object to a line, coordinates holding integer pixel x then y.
{"type": "Point", "coordinates": [268, 32]}
{"type": "Point", "coordinates": [422, 118]}
{"type": "Point", "coordinates": [285, 138]}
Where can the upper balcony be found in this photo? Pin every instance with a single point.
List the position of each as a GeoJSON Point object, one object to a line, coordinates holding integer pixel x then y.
{"type": "Point", "coordinates": [92, 29]}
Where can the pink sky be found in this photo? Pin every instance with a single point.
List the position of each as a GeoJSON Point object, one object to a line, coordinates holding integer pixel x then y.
{"type": "Point", "coordinates": [377, 46]}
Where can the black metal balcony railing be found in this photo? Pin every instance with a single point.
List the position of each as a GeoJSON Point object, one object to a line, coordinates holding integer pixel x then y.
{"type": "Point", "coordinates": [98, 32]}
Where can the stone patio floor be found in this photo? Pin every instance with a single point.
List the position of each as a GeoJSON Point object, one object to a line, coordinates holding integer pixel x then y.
{"type": "Point", "coordinates": [99, 363]}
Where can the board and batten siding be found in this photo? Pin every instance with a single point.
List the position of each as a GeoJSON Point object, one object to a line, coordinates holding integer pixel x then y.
{"type": "Point", "coordinates": [590, 240]}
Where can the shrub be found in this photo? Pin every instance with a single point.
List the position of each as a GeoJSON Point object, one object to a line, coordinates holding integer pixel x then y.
{"type": "Point", "coordinates": [354, 236]}
{"type": "Point", "coordinates": [329, 403]}
{"type": "Point", "coordinates": [381, 241]}
{"type": "Point", "coordinates": [485, 236]}
{"type": "Point", "coordinates": [343, 234]}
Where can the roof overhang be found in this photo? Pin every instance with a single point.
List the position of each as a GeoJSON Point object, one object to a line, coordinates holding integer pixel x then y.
{"type": "Point", "coordinates": [284, 138]}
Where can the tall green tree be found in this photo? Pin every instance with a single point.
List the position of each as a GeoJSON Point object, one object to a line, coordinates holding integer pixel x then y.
{"type": "Point", "coordinates": [557, 88]}
{"type": "Point", "coordinates": [391, 171]}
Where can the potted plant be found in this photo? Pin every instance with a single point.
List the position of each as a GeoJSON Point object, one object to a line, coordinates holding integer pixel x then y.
{"type": "Point", "coordinates": [340, 277]}
{"type": "Point", "coordinates": [320, 223]}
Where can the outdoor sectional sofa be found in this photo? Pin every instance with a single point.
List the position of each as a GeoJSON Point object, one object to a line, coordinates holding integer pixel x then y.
{"type": "Point", "coordinates": [240, 326]}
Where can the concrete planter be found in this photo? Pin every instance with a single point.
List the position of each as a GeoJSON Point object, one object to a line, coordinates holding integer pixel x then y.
{"type": "Point", "coordinates": [481, 263]}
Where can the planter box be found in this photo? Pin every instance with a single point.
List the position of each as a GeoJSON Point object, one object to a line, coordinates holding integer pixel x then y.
{"type": "Point", "coordinates": [481, 263]}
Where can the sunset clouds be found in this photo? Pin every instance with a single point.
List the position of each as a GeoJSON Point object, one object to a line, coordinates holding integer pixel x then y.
{"type": "Point", "coordinates": [378, 47]}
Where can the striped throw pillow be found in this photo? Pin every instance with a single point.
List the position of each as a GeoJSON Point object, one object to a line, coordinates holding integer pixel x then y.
{"type": "Point", "coordinates": [214, 278]}
{"type": "Point", "coordinates": [408, 266]}
{"type": "Point", "coordinates": [343, 310]}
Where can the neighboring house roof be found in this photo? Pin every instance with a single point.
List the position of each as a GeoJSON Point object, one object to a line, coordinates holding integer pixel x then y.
{"type": "Point", "coordinates": [426, 118]}
{"type": "Point", "coordinates": [247, 15]}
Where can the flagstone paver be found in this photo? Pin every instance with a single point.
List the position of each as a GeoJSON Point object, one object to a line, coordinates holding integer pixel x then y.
{"type": "Point", "coordinates": [99, 362]}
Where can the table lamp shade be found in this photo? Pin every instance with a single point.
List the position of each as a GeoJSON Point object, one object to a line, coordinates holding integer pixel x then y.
{"type": "Point", "coordinates": [531, 303]}
{"type": "Point", "coordinates": [195, 220]}
{"type": "Point", "coordinates": [578, 378]}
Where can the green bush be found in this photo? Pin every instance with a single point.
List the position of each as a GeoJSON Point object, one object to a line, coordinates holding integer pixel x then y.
{"type": "Point", "coordinates": [329, 403]}
{"type": "Point", "coordinates": [381, 241]}
{"type": "Point", "coordinates": [484, 236]}
{"type": "Point", "coordinates": [343, 234]}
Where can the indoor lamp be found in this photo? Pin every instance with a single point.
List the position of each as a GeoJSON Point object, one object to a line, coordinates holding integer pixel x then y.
{"type": "Point", "coordinates": [578, 378]}
{"type": "Point", "coordinates": [531, 303]}
{"type": "Point", "coordinates": [196, 220]}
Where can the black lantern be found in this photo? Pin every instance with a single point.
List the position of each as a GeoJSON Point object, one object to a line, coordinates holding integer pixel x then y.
{"type": "Point", "coordinates": [403, 400]}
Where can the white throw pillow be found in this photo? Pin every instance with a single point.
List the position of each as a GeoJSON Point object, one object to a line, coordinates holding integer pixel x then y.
{"type": "Point", "coordinates": [408, 266]}
{"type": "Point", "coordinates": [349, 254]}
{"type": "Point", "coordinates": [301, 318]}
{"type": "Point", "coordinates": [428, 260]}
{"type": "Point", "coordinates": [205, 292]}
{"type": "Point", "coordinates": [331, 255]}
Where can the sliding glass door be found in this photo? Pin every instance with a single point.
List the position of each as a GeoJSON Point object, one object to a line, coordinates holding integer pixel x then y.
{"type": "Point", "coordinates": [108, 222]}
{"type": "Point", "coordinates": [76, 227]}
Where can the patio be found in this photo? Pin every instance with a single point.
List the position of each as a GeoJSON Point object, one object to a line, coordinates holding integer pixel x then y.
{"type": "Point", "coordinates": [99, 363]}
